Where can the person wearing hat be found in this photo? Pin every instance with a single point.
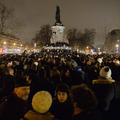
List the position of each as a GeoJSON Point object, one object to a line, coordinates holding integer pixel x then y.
{"type": "Point", "coordinates": [15, 106]}
{"type": "Point", "coordinates": [62, 107]}
{"type": "Point", "coordinates": [41, 103]}
{"type": "Point", "coordinates": [101, 85]}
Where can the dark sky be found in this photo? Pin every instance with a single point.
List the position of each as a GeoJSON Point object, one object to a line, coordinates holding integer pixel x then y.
{"type": "Point", "coordinates": [103, 15]}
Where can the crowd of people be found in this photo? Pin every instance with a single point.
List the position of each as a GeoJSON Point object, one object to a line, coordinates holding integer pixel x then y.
{"type": "Point", "coordinates": [59, 86]}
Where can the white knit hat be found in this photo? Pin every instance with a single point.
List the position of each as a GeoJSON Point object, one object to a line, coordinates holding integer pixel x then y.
{"type": "Point", "coordinates": [105, 72]}
{"type": "Point", "coordinates": [42, 101]}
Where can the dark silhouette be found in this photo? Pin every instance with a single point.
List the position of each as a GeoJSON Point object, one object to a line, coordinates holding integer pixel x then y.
{"type": "Point", "coordinates": [57, 17]}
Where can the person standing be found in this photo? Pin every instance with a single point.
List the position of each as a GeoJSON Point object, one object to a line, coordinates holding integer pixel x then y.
{"type": "Point", "coordinates": [85, 103]}
{"type": "Point", "coordinates": [62, 107]}
{"type": "Point", "coordinates": [15, 106]}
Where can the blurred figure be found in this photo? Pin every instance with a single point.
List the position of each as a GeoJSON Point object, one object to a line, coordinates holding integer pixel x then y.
{"type": "Point", "coordinates": [55, 76]}
{"type": "Point", "coordinates": [7, 82]}
{"type": "Point", "coordinates": [65, 77]}
{"type": "Point", "coordinates": [101, 85]}
{"type": "Point", "coordinates": [85, 103]}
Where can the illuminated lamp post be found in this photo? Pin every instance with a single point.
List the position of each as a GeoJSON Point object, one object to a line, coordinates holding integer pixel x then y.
{"type": "Point", "coordinates": [98, 49]}
{"type": "Point", "coordinates": [14, 46]}
{"type": "Point", "coordinates": [4, 43]}
{"type": "Point", "coordinates": [117, 48]}
{"type": "Point", "coordinates": [4, 47]}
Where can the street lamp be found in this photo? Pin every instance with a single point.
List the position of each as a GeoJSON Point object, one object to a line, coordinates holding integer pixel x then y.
{"type": "Point", "coordinates": [98, 49]}
{"type": "Point", "coordinates": [4, 46]}
{"type": "Point", "coordinates": [117, 48]}
{"type": "Point", "coordinates": [4, 43]}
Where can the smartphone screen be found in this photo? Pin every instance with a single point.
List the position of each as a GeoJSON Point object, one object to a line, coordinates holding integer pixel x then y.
{"type": "Point", "coordinates": [79, 69]}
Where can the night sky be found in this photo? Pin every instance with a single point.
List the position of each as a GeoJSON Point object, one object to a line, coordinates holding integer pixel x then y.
{"type": "Point", "coordinates": [102, 15]}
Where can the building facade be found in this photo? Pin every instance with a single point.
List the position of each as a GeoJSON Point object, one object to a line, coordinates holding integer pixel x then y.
{"type": "Point", "coordinates": [10, 44]}
{"type": "Point", "coordinates": [112, 43]}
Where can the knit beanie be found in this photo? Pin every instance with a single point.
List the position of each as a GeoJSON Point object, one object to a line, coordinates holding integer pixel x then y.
{"type": "Point", "coordinates": [105, 72]}
{"type": "Point", "coordinates": [42, 101]}
{"type": "Point", "coordinates": [19, 82]}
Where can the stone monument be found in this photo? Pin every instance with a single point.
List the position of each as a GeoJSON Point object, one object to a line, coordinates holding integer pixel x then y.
{"type": "Point", "coordinates": [58, 30]}
{"type": "Point", "coordinates": [58, 39]}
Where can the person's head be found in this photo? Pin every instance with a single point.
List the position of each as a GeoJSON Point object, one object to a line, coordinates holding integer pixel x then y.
{"type": "Point", "coordinates": [83, 98]}
{"type": "Point", "coordinates": [9, 63]}
{"type": "Point", "coordinates": [54, 72]}
{"type": "Point", "coordinates": [6, 71]}
{"type": "Point", "coordinates": [100, 60]}
{"type": "Point", "coordinates": [65, 72]}
{"type": "Point", "coordinates": [11, 71]}
{"type": "Point", "coordinates": [42, 101]}
{"type": "Point", "coordinates": [105, 72]}
{"type": "Point", "coordinates": [117, 63]}
{"type": "Point", "coordinates": [62, 92]}
{"type": "Point", "coordinates": [41, 73]}
{"type": "Point", "coordinates": [22, 89]}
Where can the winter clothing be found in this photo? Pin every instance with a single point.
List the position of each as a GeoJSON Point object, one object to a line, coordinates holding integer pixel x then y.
{"type": "Point", "coordinates": [100, 87]}
{"type": "Point", "coordinates": [92, 115]}
{"type": "Point", "coordinates": [41, 103]}
{"type": "Point", "coordinates": [13, 108]}
{"type": "Point", "coordinates": [7, 87]}
{"type": "Point", "coordinates": [62, 111]}
{"type": "Point", "coordinates": [33, 115]}
{"type": "Point", "coordinates": [112, 101]}
{"type": "Point", "coordinates": [105, 72]}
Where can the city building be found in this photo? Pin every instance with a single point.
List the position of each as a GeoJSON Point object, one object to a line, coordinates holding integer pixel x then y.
{"type": "Point", "coordinates": [10, 44]}
{"type": "Point", "coordinates": [112, 43]}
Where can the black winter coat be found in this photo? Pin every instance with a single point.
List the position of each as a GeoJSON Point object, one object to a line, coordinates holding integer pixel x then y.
{"type": "Point", "coordinates": [13, 108]}
{"type": "Point", "coordinates": [92, 115]}
{"type": "Point", "coordinates": [62, 111]}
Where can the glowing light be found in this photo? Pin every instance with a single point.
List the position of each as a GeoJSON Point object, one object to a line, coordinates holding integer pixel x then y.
{"type": "Point", "coordinates": [14, 44]}
{"type": "Point", "coordinates": [98, 49]}
{"type": "Point", "coordinates": [117, 48]}
{"type": "Point", "coordinates": [4, 43]}
{"type": "Point", "coordinates": [117, 45]}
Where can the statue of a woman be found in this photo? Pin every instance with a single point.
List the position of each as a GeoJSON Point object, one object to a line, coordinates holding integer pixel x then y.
{"type": "Point", "coordinates": [57, 17]}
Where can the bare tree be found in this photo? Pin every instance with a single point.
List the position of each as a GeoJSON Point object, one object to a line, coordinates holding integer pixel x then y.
{"type": "Point", "coordinates": [43, 35]}
{"type": "Point", "coordinates": [8, 23]}
{"type": "Point", "coordinates": [78, 39]}
{"type": "Point", "coordinates": [72, 35]}
{"type": "Point", "coordinates": [89, 36]}
{"type": "Point", "coordinates": [5, 15]}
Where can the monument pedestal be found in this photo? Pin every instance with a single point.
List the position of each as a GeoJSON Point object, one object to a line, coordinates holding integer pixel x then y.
{"type": "Point", "coordinates": [58, 34]}
{"type": "Point", "coordinates": [58, 39]}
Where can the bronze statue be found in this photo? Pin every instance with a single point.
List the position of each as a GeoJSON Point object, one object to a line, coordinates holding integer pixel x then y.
{"type": "Point", "coordinates": [57, 17]}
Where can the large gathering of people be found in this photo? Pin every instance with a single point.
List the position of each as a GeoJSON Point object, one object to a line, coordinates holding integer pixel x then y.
{"type": "Point", "coordinates": [59, 86]}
